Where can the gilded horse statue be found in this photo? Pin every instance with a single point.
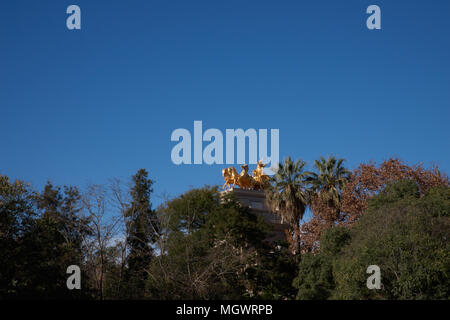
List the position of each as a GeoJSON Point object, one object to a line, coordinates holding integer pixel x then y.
{"type": "Point", "coordinates": [245, 180]}
{"type": "Point", "coordinates": [261, 180]}
{"type": "Point", "coordinates": [231, 177]}
{"type": "Point", "coordinates": [257, 181]}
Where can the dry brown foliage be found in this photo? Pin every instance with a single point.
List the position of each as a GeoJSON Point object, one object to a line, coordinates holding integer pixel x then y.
{"type": "Point", "coordinates": [365, 182]}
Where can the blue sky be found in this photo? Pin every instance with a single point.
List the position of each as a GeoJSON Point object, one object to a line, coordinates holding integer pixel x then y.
{"type": "Point", "coordinates": [80, 107]}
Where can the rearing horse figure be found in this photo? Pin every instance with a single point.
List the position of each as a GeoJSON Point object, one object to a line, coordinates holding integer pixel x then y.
{"type": "Point", "coordinates": [245, 180]}
{"type": "Point", "coordinates": [231, 177]}
{"type": "Point", "coordinates": [260, 179]}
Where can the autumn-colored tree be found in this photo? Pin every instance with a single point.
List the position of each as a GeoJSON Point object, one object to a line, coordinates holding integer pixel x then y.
{"type": "Point", "coordinates": [402, 232]}
{"type": "Point", "coordinates": [325, 190]}
{"type": "Point", "coordinates": [364, 183]}
{"type": "Point", "coordinates": [368, 180]}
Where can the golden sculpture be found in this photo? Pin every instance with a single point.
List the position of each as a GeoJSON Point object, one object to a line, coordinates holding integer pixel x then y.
{"type": "Point", "coordinates": [257, 181]}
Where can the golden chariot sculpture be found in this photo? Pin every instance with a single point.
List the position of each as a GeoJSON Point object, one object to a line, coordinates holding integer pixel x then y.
{"type": "Point", "coordinates": [257, 181]}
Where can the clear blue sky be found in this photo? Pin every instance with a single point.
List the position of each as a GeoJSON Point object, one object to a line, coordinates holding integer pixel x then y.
{"type": "Point", "coordinates": [83, 106]}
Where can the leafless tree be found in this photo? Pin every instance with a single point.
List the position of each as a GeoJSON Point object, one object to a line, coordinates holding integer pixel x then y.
{"type": "Point", "coordinates": [104, 227]}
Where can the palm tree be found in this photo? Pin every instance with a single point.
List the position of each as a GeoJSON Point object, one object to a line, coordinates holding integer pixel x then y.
{"type": "Point", "coordinates": [328, 183]}
{"type": "Point", "coordinates": [287, 195]}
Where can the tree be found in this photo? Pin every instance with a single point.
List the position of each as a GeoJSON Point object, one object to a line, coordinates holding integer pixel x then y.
{"type": "Point", "coordinates": [56, 241]}
{"type": "Point", "coordinates": [103, 228]}
{"type": "Point", "coordinates": [315, 280]}
{"type": "Point", "coordinates": [207, 247]}
{"type": "Point", "coordinates": [120, 199]}
{"type": "Point", "coordinates": [40, 236]}
{"type": "Point", "coordinates": [365, 182]}
{"type": "Point", "coordinates": [143, 227]}
{"type": "Point", "coordinates": [327, 185]}
{"type": "Point", "coordinates": [60, 207]}
{"type": "Point", "coordinates": [17, 213]}
{"type": "Point", "coordinates": [369, 179]}
{"type": "Point", "coordinates": [271, 277]}
{"type": "Point", "coordinates": [288, 197]}
{"type": "Point", "coordinates": [325, 189]}
{"type": "Point", "coordinates": [407, 237]}
{"type": "Point", "coordinates": [403, 233]}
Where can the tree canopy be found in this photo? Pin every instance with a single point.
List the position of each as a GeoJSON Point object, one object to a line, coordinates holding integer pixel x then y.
{"type": "Point", "coordinates": [204, 244]}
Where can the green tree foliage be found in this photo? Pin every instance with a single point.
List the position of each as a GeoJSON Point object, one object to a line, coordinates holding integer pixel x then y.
{"type": "Point", "coordinates": [271, 277]}
{"type": "Point", "coordinates": [59, 210]}
{"type": "Point", "coordinates": [54, 242]}
{"type": "Point", "coordinates": [325, 188]}
{"type": "Point", "coordinates": [206, 249]}
{"type": "Point", "coordinates": [143, 229]}
{"type": "Point", "coordinates": [287, 195]}
{"type": "Point", "coordinates": [407, 237]}
{"type": "Point", "coordinates": [204, 244]}
{"type": "Point", "coordinates": [329, 180]}
{"type": "Point", "coordinates": [404, 234]}
{"type": "Point", "coordinates": [16, 219]}
{"type": "Point", "coordinates": [41, 236]}
{"type": "Point", "coordinates": [315, 279]}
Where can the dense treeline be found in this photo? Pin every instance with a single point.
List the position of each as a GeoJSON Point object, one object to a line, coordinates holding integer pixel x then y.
{"type": "Point", "coordinates": [404, 234]}
{"type": "Point", "coordinates": [203, 245]}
